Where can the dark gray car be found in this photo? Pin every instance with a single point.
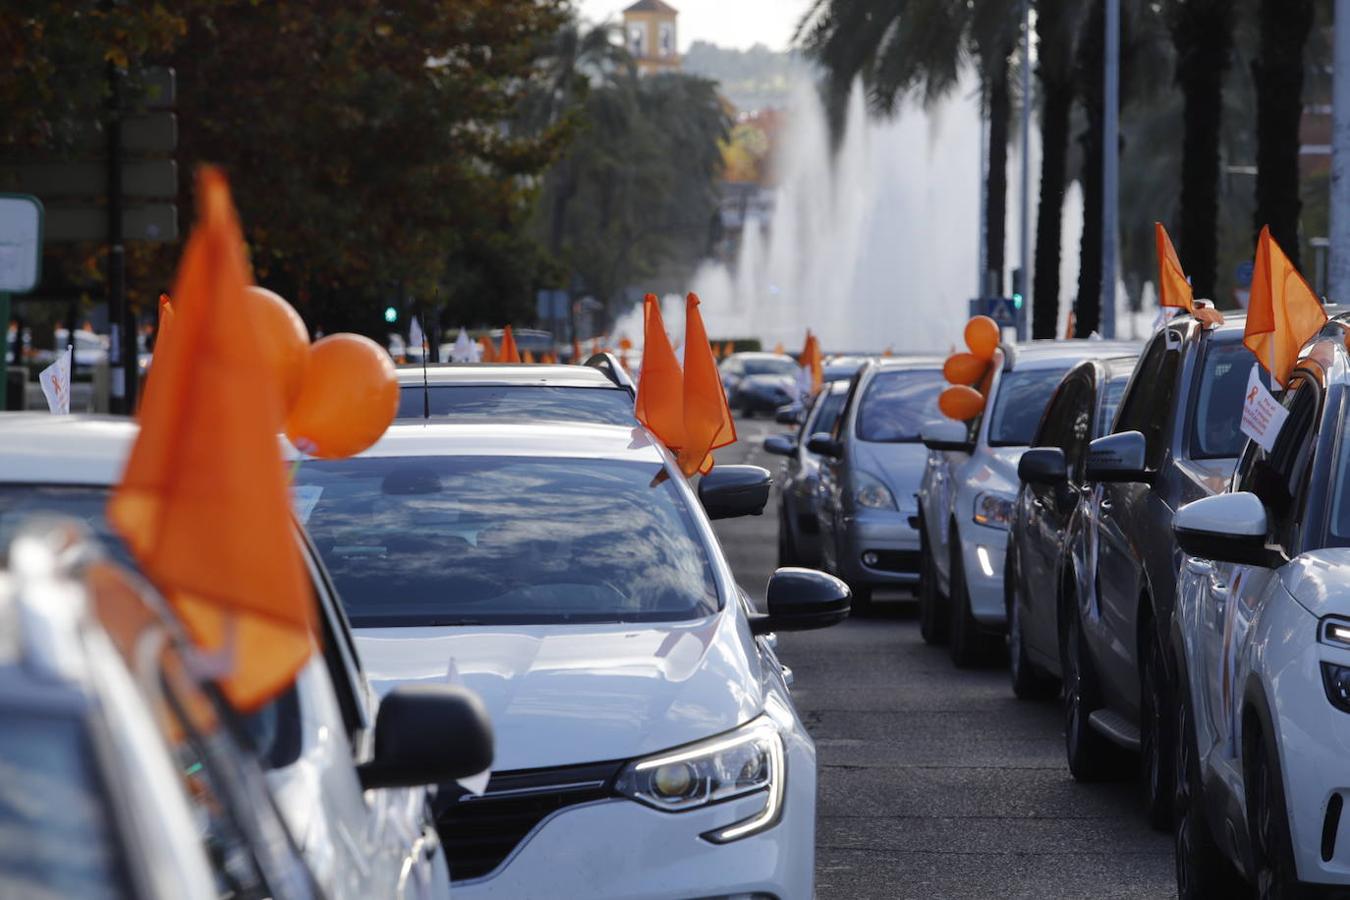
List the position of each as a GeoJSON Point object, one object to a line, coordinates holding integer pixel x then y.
{"type": "Point", "coordinates": [798, 529]}
{"type": "Point", "coordinates": [1042, 535]}
{"type": "Point", "coordinates": [1175, 440]}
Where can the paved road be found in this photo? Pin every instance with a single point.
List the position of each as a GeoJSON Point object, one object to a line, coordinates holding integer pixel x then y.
{"type": "Point", "coordinates": [936, 782]}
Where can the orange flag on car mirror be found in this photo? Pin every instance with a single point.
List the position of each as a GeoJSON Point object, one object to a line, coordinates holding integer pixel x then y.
{"type": "Point", "coordinates": [508, 353]}
{"type": "Point", "coordinates": [707, 418]}
{"type": "Point", "coordinates": [203, 502]}
{"type": "Point", "coordinates": [1283, 311]}
{"type": "Point", "coordinates": [660, 393]}
{"type": "Point", "coordinates": [813, 362]}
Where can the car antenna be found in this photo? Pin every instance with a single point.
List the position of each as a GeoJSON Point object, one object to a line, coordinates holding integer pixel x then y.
{"type": "Point", "coordinates": [426, 390]}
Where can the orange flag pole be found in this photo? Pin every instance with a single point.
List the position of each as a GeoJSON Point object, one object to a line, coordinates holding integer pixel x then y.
{"type": "Point", "coordinates": [707, 417]}
{"type": "Point", "coordinates": [660, 393]}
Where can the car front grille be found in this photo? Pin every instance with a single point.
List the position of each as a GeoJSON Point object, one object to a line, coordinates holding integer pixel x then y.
{"type": "Point", "coordinates": [479, 833]}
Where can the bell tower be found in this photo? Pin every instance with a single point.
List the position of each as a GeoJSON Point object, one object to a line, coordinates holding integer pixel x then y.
{"type": "Point", "coordinates": [650, 36]}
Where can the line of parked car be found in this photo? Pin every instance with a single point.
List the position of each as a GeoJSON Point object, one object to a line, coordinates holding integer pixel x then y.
{"type": "Point", "coordinates": [1184, 590]}
{"type": "Point", "coordinates": [516, 576]}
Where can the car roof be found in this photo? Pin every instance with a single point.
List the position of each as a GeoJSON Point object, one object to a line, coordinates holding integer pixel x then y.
{"type": "Point", "coordinates": [758, 354]}
{"type": "Point", "coordinates": [506, 374]}
{"type": "Point", "coordinates": [911, 362]}
{"type": "Point", "coordinates": [76, 449]}
{"type": "Point", "coordinates": [1058, 353]}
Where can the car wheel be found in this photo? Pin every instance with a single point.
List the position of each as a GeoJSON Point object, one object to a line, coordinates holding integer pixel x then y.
{"type": "Point", "coordinates": [1202, 869]}
{"type": "Point", "coordinates": [1272, 849]}
{"type": "Point", "coordinates": [787, 553]}
{"type": "Point", "coordinates": [1091, 756]}
{"type": "Point", "coordinates": [932, 605]}
{"type": "Point", "coordinates": [969, 646]}
{"type": "Point", "coordinates": [1156, 721]}
{"type": "Point", "coordinates": [1028, 681]}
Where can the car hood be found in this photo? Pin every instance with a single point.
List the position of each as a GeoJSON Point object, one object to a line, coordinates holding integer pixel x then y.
{"type": "Point", "coordinates": [565, 694]}
{"type": "Point", "coordinates": [1318, 581]}
{"type": "Point", "coordinates": [994, 469]}
{"type": "Point", "coordinates": [899, 466]}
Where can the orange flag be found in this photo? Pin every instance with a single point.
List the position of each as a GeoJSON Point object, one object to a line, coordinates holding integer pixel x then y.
{"type": "Point", "coordinates": [489, 352]}
{"type": "Point", "coordinates": [1173, 288]}
{"type": "Point", "coordinates": [660, 394]}
{"type": "Point", "coordinates": [707, 418]}
{"type": "Point", "coordinates": [728, 348]}
{"type": "Point", "coordinates": [527, 357]}
{"type": "Point", "coordinates": [1283, 311]}
{"type": "Point", "coordinates": [813, 362]}
{"type": "Point", "coordinates": [203, 501]}
{"type": "Point", "coordinates": [508, 353]}
{"type": "Point", "coordinates": [778, 349]}
{"type": "Point", "coordinates": [161, 341]}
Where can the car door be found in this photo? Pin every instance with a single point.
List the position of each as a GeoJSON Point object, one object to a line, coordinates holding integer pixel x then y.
{"type": "Point", "coordinates": [1119, 511]}
{"type": "Point", "coordinates": [832, 482]}
{"type": "Point", "coordinates": [1230, 595]}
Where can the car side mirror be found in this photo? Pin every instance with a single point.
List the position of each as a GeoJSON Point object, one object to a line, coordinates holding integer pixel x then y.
{"type": "Point", "coordinates": [731, 491]}
{"type": "Point", "coordinates": [1227, 528]}
{"type": "Point", "coordinates": [1118, 458]}
{"type": "Point", "coordinates": [822, 444]}
{"type": "Point", "coordinates": [947, 434]}
{"type": "Point", "coordinates": [802, 599]}
{"type": "Point", "coordinates": [788, 415]}
{"type": "Point", "coordinates": [1043, 465]}
{"type": "Point", "coordinates": [779, 445]}
{"type": "Point", "coordinates": [428, 734]}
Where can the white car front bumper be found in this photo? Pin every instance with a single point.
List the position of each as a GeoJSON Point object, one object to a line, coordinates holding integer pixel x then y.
{"type": "Point", "coordinates": [982, 551]}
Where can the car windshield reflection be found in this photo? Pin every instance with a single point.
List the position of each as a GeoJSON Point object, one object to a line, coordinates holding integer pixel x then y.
{"type": "Point", "coordinates": [475, 402]}
{"type": "Point", "coordinates": [897, 404]}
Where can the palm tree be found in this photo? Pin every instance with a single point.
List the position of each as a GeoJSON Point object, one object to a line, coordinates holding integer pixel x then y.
{"type": "Point", "coordinates": [1278, 73]}
{"type": "Point", "coordinates": [1091, 56]}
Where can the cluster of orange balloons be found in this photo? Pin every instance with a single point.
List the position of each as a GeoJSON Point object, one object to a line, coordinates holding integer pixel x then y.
{"type": "Point", "coordinates": [339, 393]}
{"type": "Point", "coordinates": [962, 401]}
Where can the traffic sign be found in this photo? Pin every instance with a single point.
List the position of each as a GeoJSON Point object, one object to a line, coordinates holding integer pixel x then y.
{"type": "Point", "coordinates": [149, 178]}
{"type": "Point", "coordinates": [1003, 310]}
{"type": "Point", "coordinates": [1243, 273]}
{"type": "Point", "coordinates": [20, 244]}
{"type": "Point", "coordinates": [147, 222]}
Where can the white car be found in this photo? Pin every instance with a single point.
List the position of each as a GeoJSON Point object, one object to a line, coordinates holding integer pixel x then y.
{"type": "Point", "coordinates": [967, 493]}
{"type": "Point", "coordinates": [647, 746]}
{"type": "Point", "coordinates": [1261, 638]}
{"type": "Point", "coordinates": [361, 818]}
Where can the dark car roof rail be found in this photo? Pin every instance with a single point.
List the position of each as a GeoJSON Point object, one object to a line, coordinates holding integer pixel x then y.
{"type": "Point", "coordinates": [609, 365]}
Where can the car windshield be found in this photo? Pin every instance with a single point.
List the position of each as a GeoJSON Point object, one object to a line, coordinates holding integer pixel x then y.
{"type": "Point", "coordinates": [1218, 403]}
{"type": "Point", "coordinates": [469, 402]}
{"type": "Point", "coordinates": [457, 540]}
{"type": "Point", "coordinates": [897, 404]}
{"type": "Point", "coordinates": [827, 412]}
{"type": "Point", "coordinates": [770, 365]}
{"type": "Point", "coordinates": [1114, 390]}
{"type": "Point", "coordinates": [1019, 405]}
{"type": "Point", "coordinates": [56, 836]}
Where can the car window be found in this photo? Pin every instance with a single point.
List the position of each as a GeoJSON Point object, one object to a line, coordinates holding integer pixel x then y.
{"type": "Point", "coordinates": [473, 402]}
{"type": "Point", "coordinates": [56, 823]}
{"type": "Point", "coordinates": [1053, 428]}
{"type": "Point", "coordinates": [895, 405]}
{"type": "Point", "coordinates": [1019, 405]}
{"type": "Point", "coordinates": [1277, 476]}
{"type": "Point", "coordinates": [1148, 401]}
{"type": "Point", "coordinates": [1218, 402]}
{"type": "Point", "coordinates": [825, 414]}
{"type": "Point", "coordinates": [1111, 392]}
{"type": "Point", "coordinates": [456, 540]}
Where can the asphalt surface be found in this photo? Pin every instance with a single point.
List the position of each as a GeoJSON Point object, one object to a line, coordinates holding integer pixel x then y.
{"type": "Point", "coordinates": [937, 782]}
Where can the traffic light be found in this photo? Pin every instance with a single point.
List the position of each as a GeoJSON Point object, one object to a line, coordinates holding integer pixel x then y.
{"type": "Point", "coordinates": [390, 315]}
{"type": "Point", "coordinates": [1018, 277]}
{"type": "Point", "coordinates": [1017, 301]}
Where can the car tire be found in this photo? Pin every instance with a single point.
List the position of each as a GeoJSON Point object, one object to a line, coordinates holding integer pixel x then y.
{"type": "Point", "coordinates": [787, 552]}
{"type": "Point", "coordinates": [932, 605]}
{"type": "Point", "coordinates": [1202, 869]}
{"type": "Point", "coordinates": [1273, 867]}
{"type": "Point", "coordinates": [1091, 755]}
{"type": "Point", "coordinates": [968, 644]}
{"type": "Point", "coordinates": [1028, 681]}
{"type": "Point", "coordinates": [1157, 765]}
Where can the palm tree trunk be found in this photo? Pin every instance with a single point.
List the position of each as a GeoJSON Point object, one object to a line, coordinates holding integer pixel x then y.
{"type": "Point", "coordinates": [996, 182]}
{"type": "Point", "coordinates": [1056, 102]}
{"type": "Point", "coordinates": [1091, 46]}
{"type": "Point", "coordinates": [1202, 31]}
{"type": "Point", "coordinates": [1278, 74]}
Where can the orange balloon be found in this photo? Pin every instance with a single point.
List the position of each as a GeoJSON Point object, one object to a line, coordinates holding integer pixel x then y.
{"type": "Point", "coordinates": [349, 397]}
{"type": "Point", "coordinates": [960, 402]}
{"type": "Point", "coordinates": [964, 368]}
{"type": "Point", "coordinates": [283, 342]}
{"type": "Point", "coordinates": [982, 336]}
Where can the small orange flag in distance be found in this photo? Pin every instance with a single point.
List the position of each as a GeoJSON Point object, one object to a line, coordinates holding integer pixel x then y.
{"type": "Point", "coordinates": [707, 418]}
{"type": "Point", "coordinates": [1283, 311]}
{"type": "Point", "coordinates": [660, 393]}
{"type": "Point", "coordinates": [778, 349]}
{"type": "Point", "coordinates": [162, 331]}
{"type": "Point", "coordinates": [1173, 288]}
{"type": "Point", "coordinates": [489, 353]}
{"type": "Point", "coordinates": [508, 352]}
{"type": "Point", "coordinates": [728, 348]}
{"type": "Point", "coordinates": [813, 362]}
{"type": "Point", "coordinates": [203, 502]}
{"type": "Point", "coordinates": [527, 357]}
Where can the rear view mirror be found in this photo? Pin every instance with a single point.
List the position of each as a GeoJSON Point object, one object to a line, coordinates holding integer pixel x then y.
{"type": "Point", "coordinates": [1117, 458]}
{"type": "Point", "coordinates": [947, 434]}
{"type": "Point", "coordinates": [731, 491]}
{"type": "Point", "coordinates": [1043, 465]}
{"type": "Point", "coordinates": [822, 444]}
{"type": "Point", "coordinates": [1225, 528]}
{"type": "Point", "coordinates": [803, 599]}
{"type": "Point", "coordinates": [779, 445]}
{"type": "Point", "coordinates": [428, 734]}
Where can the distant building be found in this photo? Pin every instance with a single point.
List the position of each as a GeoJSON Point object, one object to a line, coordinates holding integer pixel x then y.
{"type": "Point", "coordinates": [650, 35]}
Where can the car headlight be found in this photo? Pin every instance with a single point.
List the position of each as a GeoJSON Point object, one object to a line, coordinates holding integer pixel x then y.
{"type": "Point", "coordinates": [993, 510]}
{"type": "Point", "coordinates": [869, 492]}
{"type": "Point", "coordinates": [746, 761]}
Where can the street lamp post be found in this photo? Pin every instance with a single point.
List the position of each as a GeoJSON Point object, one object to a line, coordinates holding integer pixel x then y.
{"type": "Point", "coordinates": [1110, 167]}
{"type": "Point", "coordinates": [1338, 276]}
